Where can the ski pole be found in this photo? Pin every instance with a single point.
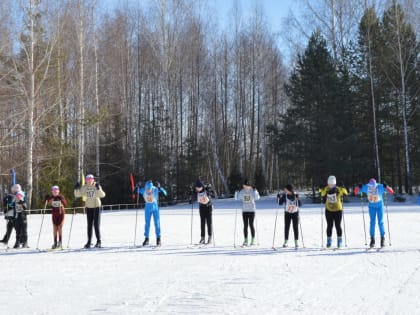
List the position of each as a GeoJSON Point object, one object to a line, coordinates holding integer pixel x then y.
{"type": "Point", "coordinates": [387, 219]}
{"type": "Point", "coordinates": [71, 226]}
{"type": "Point", "coordinates": [234, 231]}
{"type": "Point", "coordinates": [364, 222]}
{"type": "Point", "coordinates": [344, 230]}
{"type": "Point", "coordinates": [256, 229]}
{"type": "Point", "coordinates": [275, 227]}
{"type": "Point", "coordinates": [42, 222]}
{"type": "Point", "coordinates": [322, 223]}
{"type": "Point", "coordinates": [301, 233]}
{"type": "Point", "coordinates": [135, 224]}
{"type": "Point", "coordinates": [191, 225]}
{"type": "Point", "coordinates": [212, 227]}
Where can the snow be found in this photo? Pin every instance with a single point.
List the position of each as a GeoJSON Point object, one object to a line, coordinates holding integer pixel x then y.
{"type": "Point", "coordinates": [180, 279]}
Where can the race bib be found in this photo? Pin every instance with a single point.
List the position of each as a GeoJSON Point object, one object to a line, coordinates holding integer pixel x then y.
{"type": "Point", "coordinates": [56, 204]}
{"type": "Point", "coordinates": [246, 198]}
{"type": "Point", "coordinates": [203, 199]}
{"type": "Point", "coordinates": [150, 197]}
{"type": "Point", "coordinates": [291, 206]}
{"type": "Point", "coordinates": [90, 193]}
{"type": "Point", "coordinates": [373, 195]}
{"type": "Point", "coordinates": [332, 198]}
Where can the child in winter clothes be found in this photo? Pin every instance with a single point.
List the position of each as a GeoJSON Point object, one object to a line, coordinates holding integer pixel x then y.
{"type": "Point", "coordinates": [57, 203]}
{"type": "Point", "coordinates": [206, 209]}
{"type": "Point", "coordinates": [248, 195]}
{"type": "Point", "coordinates": [21, 223]}
{"type": "Point", "coordinates": [93, 193]}
{"type": "Point", "coordinates": [291, 212]}
{"type": "Point", "coordinates": [332, 195]}
{"type": "Point", "coordinates": [150, 194]}
{"type": "Point", "coordinates": [9, 215]}
{"type": "Point", "coordinates": [374, 192]}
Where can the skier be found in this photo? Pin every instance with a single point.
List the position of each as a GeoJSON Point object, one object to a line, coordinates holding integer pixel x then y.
{"type": "Point", "coordinates": [57, 203]}
{"type": "Point", "coordinates": [374, 192]}
{"type": "Point", "coordinates": [206, 209]}
{"type": "Point", "coordinates": [291, 213]}
{"type": "Point", "coordinates": [9, 215]}
{"type": "Point", "coordinates": [332, 195]}
{"type": "Point", "coordinates": [93, 193]}
{"type": "Point", "coordinates": [248, 195]}
{"type": "Point", "coordinates": [21, 224]}
{"type": "Point", "coordinates": [150, 194]}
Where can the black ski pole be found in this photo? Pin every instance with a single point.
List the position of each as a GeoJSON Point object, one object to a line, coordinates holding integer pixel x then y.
{"type": "Point", "coordinates": [42, 222]}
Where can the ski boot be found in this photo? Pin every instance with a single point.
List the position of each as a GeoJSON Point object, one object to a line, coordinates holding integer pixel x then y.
{"type": "Point", "coordinates": [209, 240]}
{"type": "Point", "coordinates": [382, 241]}
{"type": "Point", "coordinates": [201, 242]}
{"type": "Point", "coordinates": [158, 242]}
{"type": "Point", "coordinates": [339, 242]}
{"type": "Point", "coordinates": [87, 245]}
{"type": "Point", "coordinates": [329, 242]}
{"type": "Point", "coordinates": [285, 244]}
{"type": "Point", "coordinates": [146, 241]}
{"type": "Point", "coordinates": [253, 241]}
{"type": "Point", "coordinates": [245, 243]}
{"type": "Point", "coordinates": [98, 244]}
{"type": "Point", "coordinates": [296, 244]}
{"type": "Point", "coordinates": [372, 242]}
{"type": "Point", "coordinates": [59, 245]}
{"type": "Point", "coordinates": [17, 245]}
{"type": "Point", "coordinates": [4, 241]}
{"type": "Point", "coordinates": [54, 246]}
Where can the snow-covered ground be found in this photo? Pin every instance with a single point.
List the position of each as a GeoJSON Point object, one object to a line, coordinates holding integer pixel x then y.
{"type": "Point", "coordinates": [177, 279]}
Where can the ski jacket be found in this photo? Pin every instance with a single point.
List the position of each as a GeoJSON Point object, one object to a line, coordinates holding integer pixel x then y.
{"type": "Point", "coordinates": [57, 204]}
{"type": "Point", "coordinates": [292, 202]}
{"type": "Point", "coordinates": [151, 196]}
{"type": "Point", "coordinates": [92, 194]}
{"type": "Point", "coordinates": [20, 202]}
{"type": "Point", "coordinates": [333, 197]}
{"type": "Point", "coordinates": [375, 193]}
{"type": "Point", "coordinates": [9, 207]}
{"type": "Point", "coordinates": [248, 197]}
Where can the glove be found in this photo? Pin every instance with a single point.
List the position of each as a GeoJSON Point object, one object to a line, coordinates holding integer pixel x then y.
{"type": "Point", "coordinates": [360, 186]}
{"type": "Point", "coordinates": [97, 186]}
{"type": "Point", "coordinates": [385, 185]}
{"type": "Point", "coordinates": [157, 184]}
{"type": "Point", "coordinates": [340, 184]}
{"type": "Point", "coordinates": [77, 186]}
{"type": "Point", "coordinates": [47, 197]}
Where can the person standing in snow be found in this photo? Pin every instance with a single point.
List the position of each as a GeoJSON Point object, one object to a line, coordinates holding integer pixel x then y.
{"type": "Point", "coordinates": [248, 195]}
{"type": "Point", "coordinates": [375, 192]}
{"type": "Point", "coordinates": [9, 214]}
{"type": "Point", "coordinates": [206, 209]}
{"type": "Point", "coordinates": [150, 194]}
{"type": "Point", "coordinates": [57, 202]}
{"type": "Point", "coordinates": [291, 212]}
{"type": "Point", "coordinates": [21, 223]}
{"type": "Point", "coordinates": [93, 193]}
{"type": "Point", "coordinates": [332, 195]}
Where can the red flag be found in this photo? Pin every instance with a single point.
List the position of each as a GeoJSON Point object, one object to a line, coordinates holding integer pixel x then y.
{"type": "Point", "coordinates": [133, 196]}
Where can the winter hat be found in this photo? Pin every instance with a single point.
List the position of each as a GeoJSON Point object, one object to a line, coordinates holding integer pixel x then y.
{"type": "Point", "coordinates": [246, 182]}
{"type": "Point", "coordinates": [199, 183]}
{"type": "Point", "coordinates": [90, 176]}
{"type": "Point", "coordinates": [332, 180]}
{"type": "Point", "coordinates": [148, 185]}
{"type": "Point", "coordinates": [55, 187]}
{"type": "Point", "coordinates": [289, 187]}
{"type": "Point", "coordinates": [372, 182]}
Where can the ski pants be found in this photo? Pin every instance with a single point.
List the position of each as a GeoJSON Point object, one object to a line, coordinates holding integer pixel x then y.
{"type": "Point", "coordinates": [248, 218]}
{"type": "Point", "coordinates": [21, 228]}
{"type": "Point", "coordinates": [334, 218]}
{"type": "Point", "coordinates": [93, 216]}
{"type": "Point", "coordinates": [289, 218]}
{"type": "Point", "coordinates": [206, 217]}
{"type": "Point", "coordinates": [149, 211]}
{"type": "Point", "coordinates": [376, 210]}
{"type": "Point", "coordinates": [9, 228]}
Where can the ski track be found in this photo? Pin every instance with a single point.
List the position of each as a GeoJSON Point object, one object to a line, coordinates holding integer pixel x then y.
{"type": "Point", "coordinates": [179, 279]}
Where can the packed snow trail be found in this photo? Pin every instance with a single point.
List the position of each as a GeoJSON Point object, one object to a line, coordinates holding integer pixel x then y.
{"type": "Point", "coordinates": [221, 279]}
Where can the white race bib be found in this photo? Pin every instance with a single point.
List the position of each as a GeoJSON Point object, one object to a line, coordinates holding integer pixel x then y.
{"type": "Point", "coordinates": [332, 198]}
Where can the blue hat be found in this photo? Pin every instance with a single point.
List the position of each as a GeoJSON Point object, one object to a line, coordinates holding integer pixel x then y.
{"type": "Point", "coordinates": [148, 185]}
{"type": "Point", "coordinates": [199, 183]}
